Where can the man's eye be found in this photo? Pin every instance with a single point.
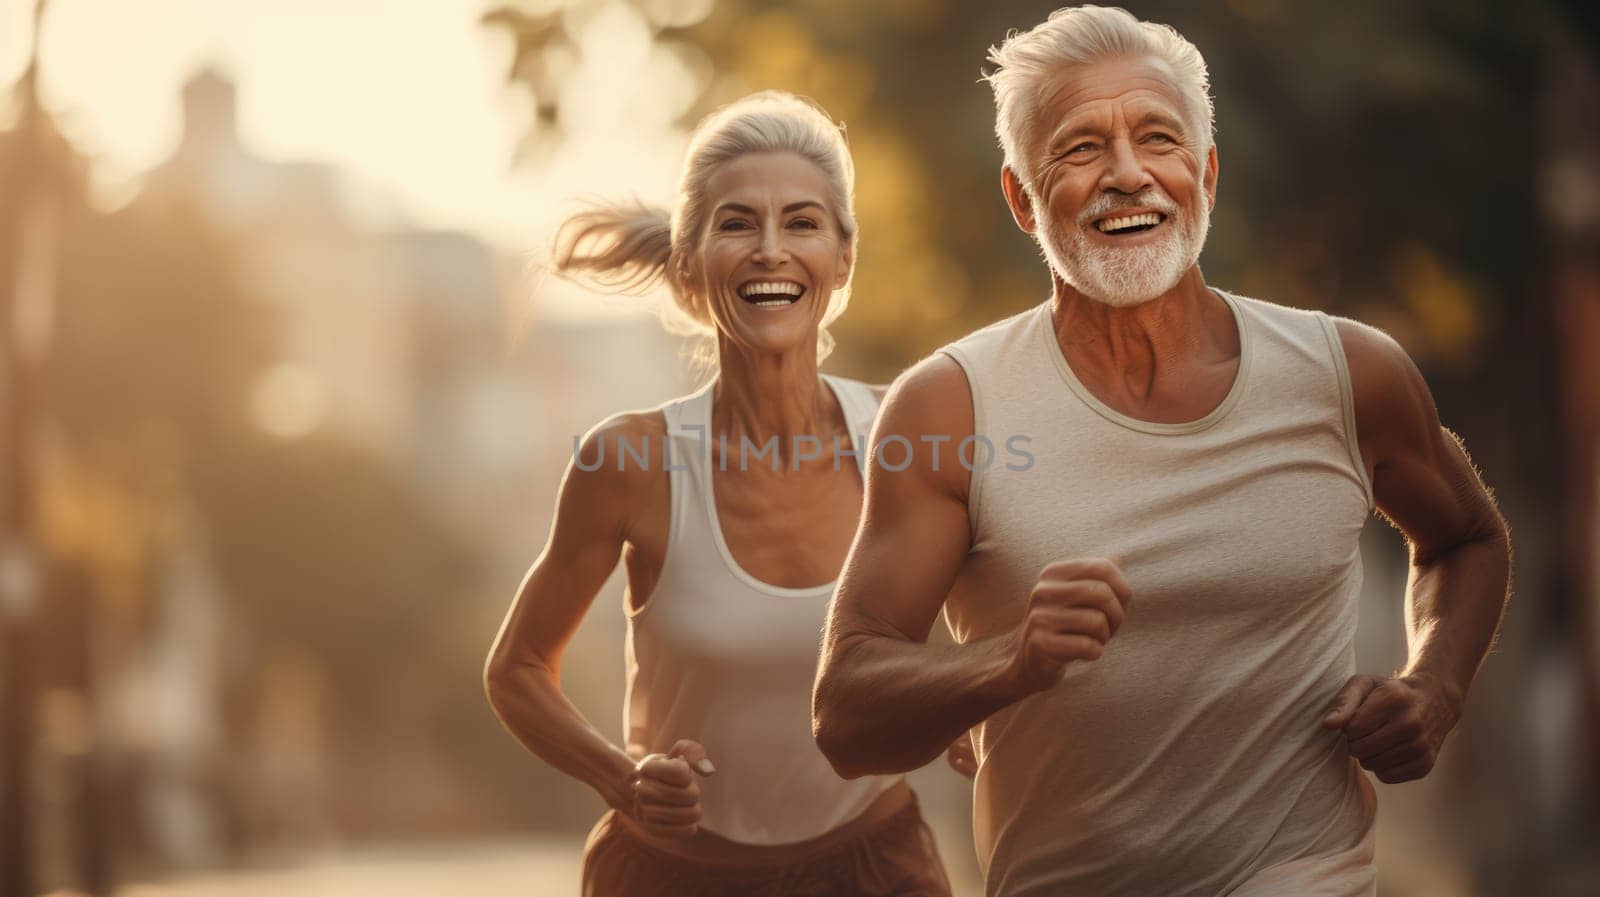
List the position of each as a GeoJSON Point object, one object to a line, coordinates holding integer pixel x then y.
{"type": "Point", "coordinates": [1165, 138]}
{"type": "Point", "coordinates": [1081, 148]}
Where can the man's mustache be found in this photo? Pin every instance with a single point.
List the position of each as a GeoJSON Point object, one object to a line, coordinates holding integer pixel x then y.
{"type": "Point", "coordinates": [1149, 198]}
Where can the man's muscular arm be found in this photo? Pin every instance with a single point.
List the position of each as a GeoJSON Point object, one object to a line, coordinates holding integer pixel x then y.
{"type": "Point", "coordinates": [1424, 483]}
{"type": "Point", "coordinates": [885, 700]}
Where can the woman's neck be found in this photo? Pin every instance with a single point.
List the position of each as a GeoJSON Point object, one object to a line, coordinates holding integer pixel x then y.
{"type": "Point", "coordinates": [766, 395]}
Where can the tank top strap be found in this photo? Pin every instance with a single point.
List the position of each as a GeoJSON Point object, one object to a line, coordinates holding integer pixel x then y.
{"type": "Point", "coordinates": [686, 413]}
{"type": "Point", "coordinates": [686, 459]}
{"type": "Point", "coordinates": [689, 432]}
{"type": "Point", "coordinates": [859, 403]}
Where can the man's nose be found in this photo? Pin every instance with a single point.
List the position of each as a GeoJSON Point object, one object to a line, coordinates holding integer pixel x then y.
{"type": "Point", "coordinates": [1124, 173]}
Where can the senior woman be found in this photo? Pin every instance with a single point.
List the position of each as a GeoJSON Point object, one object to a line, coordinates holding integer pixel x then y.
{"type": "Point", "coordinates": [732, 509]}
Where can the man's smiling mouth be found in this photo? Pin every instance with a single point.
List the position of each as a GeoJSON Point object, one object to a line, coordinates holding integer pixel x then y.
{"type": "Point", "coordinates": [1129, 224]}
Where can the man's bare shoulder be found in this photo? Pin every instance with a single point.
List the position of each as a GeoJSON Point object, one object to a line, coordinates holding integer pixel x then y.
{"type": "Point", "coordinates": [1392, 400]}
{"type": "Point", "coordinates": [932, 397]}
{"type": "Point", "coordinates": [929, 412]}
{"type": "Point", "coordinates": [1367, 344]}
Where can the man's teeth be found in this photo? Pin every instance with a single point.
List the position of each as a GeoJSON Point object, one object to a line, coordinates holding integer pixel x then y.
{"type": "Point", "coordinates": [1127, 221]}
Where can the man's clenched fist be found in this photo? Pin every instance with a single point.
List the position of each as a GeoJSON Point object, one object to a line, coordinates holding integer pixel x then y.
{"type": "Point", "coordinates": [1073, 611]}
{"type": "Point", "coordinates": [1394, 727]}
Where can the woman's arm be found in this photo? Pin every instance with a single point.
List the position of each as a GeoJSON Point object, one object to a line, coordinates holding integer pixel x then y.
{"type": "Point", "coordinates": [523, 674]}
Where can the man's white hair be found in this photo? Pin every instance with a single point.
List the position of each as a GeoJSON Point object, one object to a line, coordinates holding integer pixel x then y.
{"type": "Point", "coordinates": [1026, 63]}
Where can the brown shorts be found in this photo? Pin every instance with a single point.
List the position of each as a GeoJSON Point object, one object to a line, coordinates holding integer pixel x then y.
{"type": "Point", "coordinates": [894, 856]}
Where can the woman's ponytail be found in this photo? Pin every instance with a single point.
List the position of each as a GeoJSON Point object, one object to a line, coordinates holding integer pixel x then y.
{"type": "Point", "coordinates": [617, 246]}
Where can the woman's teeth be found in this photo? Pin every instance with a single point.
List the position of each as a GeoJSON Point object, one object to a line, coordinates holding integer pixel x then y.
{"type": "Point", "coordinates": [771, 294]}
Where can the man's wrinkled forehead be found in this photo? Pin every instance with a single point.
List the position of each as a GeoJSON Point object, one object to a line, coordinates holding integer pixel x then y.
{"type": "Point", "coordinates": [1142, 86]}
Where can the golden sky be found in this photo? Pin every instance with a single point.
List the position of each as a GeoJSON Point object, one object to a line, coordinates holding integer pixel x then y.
{"type": "Point", "coordinates": [409, 94]}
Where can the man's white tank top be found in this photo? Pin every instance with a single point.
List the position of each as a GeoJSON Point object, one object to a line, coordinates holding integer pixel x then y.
{"type": "Point", "coordinates": [720, 657]}
{"type": "Point", "coordinates": [1190, 759]}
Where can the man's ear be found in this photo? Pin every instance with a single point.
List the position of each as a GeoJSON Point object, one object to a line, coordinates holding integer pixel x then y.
{"type": "Point", "coordinates": [1208, 178]}
{"type": "Point", "coordinates": [1017, 198]}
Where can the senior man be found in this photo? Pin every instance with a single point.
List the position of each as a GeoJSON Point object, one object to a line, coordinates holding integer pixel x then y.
{"type": "Point", "coordinates": [1154, 612]}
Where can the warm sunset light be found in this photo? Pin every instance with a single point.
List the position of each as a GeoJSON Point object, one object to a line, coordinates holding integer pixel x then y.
{"type": "Point", "coordinates": [409, 99]}
{"type": "Point", "coordinates": [445, 448]}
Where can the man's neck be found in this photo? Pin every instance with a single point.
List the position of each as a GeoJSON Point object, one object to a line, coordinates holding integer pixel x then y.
{"type": "Point", "coordinates": [1147, 354]}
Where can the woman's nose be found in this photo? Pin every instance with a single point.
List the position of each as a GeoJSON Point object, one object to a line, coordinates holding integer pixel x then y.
{"type": "Point", "coordinates": [771, 251]}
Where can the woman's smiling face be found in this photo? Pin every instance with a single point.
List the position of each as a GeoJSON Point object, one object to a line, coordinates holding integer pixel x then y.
{"type": "Point", "coordinates": [772, 252]}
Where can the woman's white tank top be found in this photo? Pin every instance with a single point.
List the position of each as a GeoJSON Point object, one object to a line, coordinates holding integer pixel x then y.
{"type": "Point", "coordinates": [720, 657]}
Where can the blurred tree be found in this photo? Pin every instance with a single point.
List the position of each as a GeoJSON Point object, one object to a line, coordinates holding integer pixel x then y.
{"type": "Point", "coordinates": [1307, 160]}
{"type": "Point", "coordinates": [540, 56]}
{"type": "Point", "coordinates": [38, 182]}
{"type": "Point", "coordinates": [325, 553]}
{"type": "Point", "coordinates": [320, 549]}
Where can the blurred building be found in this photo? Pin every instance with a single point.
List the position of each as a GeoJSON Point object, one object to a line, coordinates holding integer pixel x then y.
{"type": "Point", "coordinates": [313, 244]}
{"type": "Point", "coordinates": [397, 339]}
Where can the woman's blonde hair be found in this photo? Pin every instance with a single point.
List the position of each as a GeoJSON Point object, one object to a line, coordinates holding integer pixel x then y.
{"type": "Point", "coordinates": [631, 247]}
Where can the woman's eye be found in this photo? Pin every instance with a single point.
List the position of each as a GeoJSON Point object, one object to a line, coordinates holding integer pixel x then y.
{"type": "Point", "coordinates": [804, 222]}
{"type": "Point", "coordinates": [734, 224]}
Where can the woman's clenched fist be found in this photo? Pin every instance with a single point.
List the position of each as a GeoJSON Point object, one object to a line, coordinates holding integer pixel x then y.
{"type": "Point", "coordinates": [666, 797]}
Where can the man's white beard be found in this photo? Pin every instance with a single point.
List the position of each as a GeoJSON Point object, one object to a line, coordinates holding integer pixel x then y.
{"type": "Point", "coordinates": [1127, 276]}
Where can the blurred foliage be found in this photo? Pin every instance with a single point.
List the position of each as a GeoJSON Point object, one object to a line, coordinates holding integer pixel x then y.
{"type": "Point", "coordinates": [1330, 117]}
{"type": "Point", "coordinates": [540, 50]}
